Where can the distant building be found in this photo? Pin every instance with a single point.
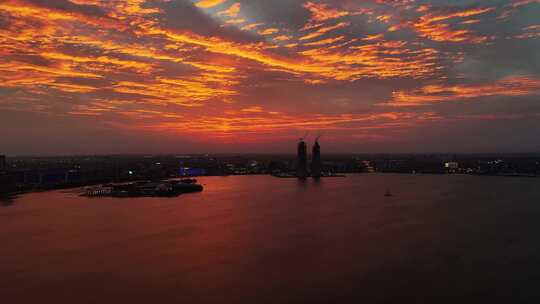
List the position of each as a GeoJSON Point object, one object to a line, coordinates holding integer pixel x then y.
{"type": "Point", "coordinates": [316, 160]}
{"type": "Point", "coordinates": [301, 171]}
{"type": "Point", "coordinates": [451, 165]}
{"type": "Point", "coordinates": [2, 163]}
{"type": "Point", "coordinates": [192, 171]}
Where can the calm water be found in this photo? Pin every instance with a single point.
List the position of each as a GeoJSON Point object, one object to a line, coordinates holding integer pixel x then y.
{"type": "Point", "coordinates": [259, 239]}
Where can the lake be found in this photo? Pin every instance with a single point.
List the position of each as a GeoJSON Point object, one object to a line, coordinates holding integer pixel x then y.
{"type": "Point", "coordinates": [260, 239]}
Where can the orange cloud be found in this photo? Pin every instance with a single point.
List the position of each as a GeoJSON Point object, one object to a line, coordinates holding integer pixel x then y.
{"type": "Point", "coordinates": [324, 30]}
{"type": "Point", "coordinates": [529, 32]}
{"type": "Point", "coordinates": [373, 37]}
{"type": "Point", "coordinates": [185, 92]}
{"type": "Point", "coordinates": [259, 121]}
{"type": "Point", "coordinates": [518, 3]}
{"type": "Point", "coordinates": [282, 38]}
{"type": "Point", "coordinates": [323, 12]}
{"type": "Point", "coordinates": [382, 60]}
{"type": "Point", "coordinates": [430, 26]}
{"type": "Point", "coordinates": [269, 31]}
{"type": "Point", "coordinates": [509, 86]}
{"type": "Point", "coordinates": [254, 109]}
{"type": "Point", "coordinates": [232, 11]}
{"type": "Point", "coordinates": [251, 26]}
{"type": "Point", "coordinates": [325, 41]}
{"type": "Point", "coordinates": [141, 67]}
{"type": "Point", "coordinates": [236, 21]}
{"type": "Point", "coordinates": [209, 3]}
{"type": "Point", "coordinates": [21, 9]}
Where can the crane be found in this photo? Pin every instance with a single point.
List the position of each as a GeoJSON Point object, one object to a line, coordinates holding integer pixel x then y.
{"type": "Point", "coordinates": [319, 136]}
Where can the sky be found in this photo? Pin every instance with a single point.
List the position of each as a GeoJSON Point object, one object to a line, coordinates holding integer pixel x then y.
{"type": "Point", "coordinates": [254, 76]}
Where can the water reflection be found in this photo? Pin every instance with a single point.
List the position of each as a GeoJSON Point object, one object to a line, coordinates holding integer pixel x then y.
{"type": "Point", "coordinates": [302, 183]}
{"type": "Point", "coordinates": [260, 239]}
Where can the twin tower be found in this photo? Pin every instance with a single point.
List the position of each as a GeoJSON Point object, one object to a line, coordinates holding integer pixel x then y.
{"type": "Point", "coordinates": [302, 171]}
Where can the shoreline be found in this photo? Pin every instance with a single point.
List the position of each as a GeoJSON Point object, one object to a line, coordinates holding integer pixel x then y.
{"type": "Point", "coordinates": [9, 195]}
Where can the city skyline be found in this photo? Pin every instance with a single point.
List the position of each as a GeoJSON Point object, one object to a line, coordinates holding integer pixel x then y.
{"type": "Point", "coordinates": [228, 76]}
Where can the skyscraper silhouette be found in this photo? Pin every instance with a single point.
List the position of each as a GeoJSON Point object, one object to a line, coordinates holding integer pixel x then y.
{"type": "Point", "coordinates": [316, 160]}
{"type": "Point", "coordinates": [301, 171]}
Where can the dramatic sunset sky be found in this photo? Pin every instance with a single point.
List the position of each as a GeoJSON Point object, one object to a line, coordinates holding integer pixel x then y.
{"type": "Point", "coordinates": [180, 76]}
